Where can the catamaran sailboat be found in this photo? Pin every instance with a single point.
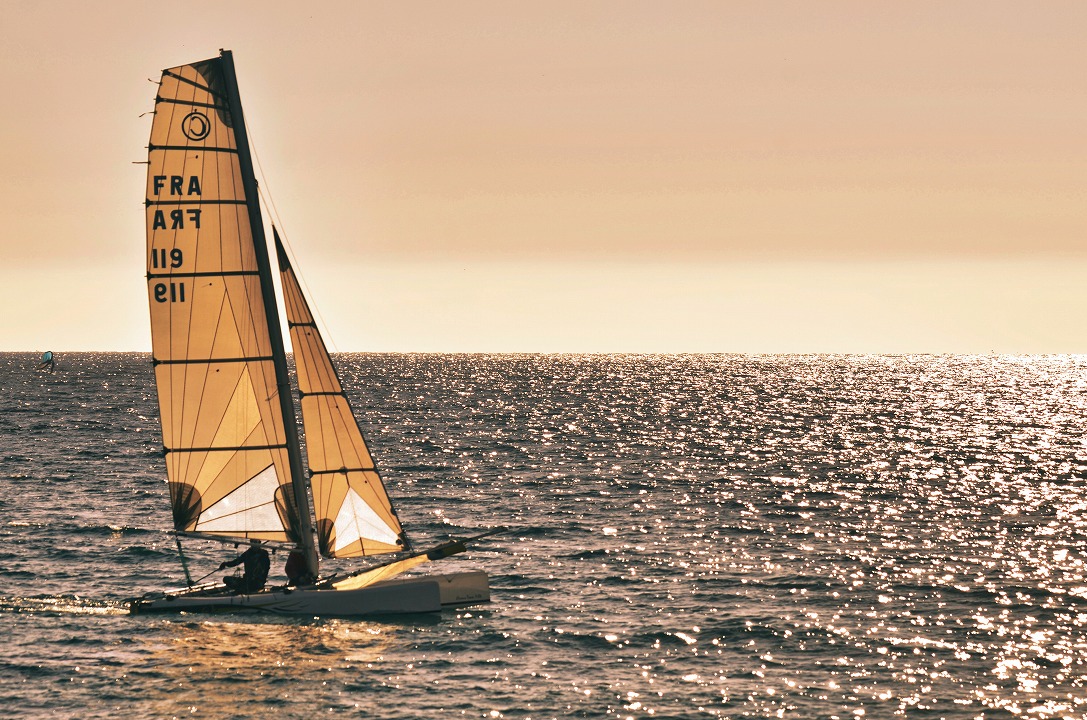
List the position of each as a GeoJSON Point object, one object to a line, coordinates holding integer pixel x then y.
{"type": "Point", "coordinates": [232, 449]}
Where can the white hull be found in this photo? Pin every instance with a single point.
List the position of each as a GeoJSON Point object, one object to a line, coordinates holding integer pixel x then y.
{"type": "Point", "coordinates": [422, 594]}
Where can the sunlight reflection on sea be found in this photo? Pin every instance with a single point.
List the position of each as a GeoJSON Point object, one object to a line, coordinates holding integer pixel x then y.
{"type": "Point", "coordinates": [694, 536]}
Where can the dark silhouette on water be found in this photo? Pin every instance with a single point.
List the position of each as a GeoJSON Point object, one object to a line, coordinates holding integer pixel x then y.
{"type": "Point", "coordinates": [296, 571]}
{"type": "Point", "coordinates": [48, 361]}
{"type": "Point", "coordinates": [255, 563]}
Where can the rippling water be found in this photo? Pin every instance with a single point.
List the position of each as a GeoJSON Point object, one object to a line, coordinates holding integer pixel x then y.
{"type": "Point", "coordinates": [694, 536]}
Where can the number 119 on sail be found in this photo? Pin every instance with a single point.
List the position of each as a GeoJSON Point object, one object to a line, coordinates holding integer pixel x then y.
{"type": "Point", "coordinates": [158, 258]}
{"type": "Point", "coordinates": [174, 292]}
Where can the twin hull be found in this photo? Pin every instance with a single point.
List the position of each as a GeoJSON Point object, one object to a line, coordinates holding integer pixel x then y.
{"type": "Point", "coordinates": [427, 593]}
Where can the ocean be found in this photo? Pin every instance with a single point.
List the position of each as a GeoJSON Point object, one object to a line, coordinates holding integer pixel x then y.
{"type": "Point", "coordinates": [691, 536]}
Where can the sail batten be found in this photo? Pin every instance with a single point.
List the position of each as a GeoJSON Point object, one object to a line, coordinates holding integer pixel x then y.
{"type": "Point", "coordinates": [181, 78]}
{"type": "Point", "coordinates": [191, 103]}
{"type": "Point", "coordinates": [235, 448]}
{"type": "Point", "coordinates": [195, 202]}
{"type": "Point", "coordinates": [212, 361]}
{"type": "Point", "coordinates": [343, 470]}
{"type": "Point", "coordinates": [204, 148]}
{"type": "Point", "coordinates": [194, 275]}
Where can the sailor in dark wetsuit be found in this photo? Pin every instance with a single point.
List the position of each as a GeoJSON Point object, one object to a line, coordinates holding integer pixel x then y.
{"type": "Point", "coordinates": [254, 571]}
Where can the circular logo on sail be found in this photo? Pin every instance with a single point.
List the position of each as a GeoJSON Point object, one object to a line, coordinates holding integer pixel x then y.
{"type": "Point", "coordinates": [196, 125]}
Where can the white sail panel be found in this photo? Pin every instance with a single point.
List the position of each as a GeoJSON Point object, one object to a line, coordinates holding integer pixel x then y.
{"type": "Point", "coordinates": [251, 506]}
{"type": "Point", "coordinates": [354, 514]}
{"type": "Point", "coordinates": [222, 423]}
{"type": "Point", "coordinates": [356, 522]}
{"type": "Point", "coordinates": [329, 421]}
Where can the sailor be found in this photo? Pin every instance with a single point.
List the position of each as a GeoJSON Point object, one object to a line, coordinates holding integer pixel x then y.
{"type": "Point", "coordinates": [296, 571]}
{"type": "Point", "coordinates": [254, 570]}
{"type": "Point", "coordinates": [48, 361]}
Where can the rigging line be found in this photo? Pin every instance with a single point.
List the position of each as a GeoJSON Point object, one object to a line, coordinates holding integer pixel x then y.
{"type": "Point", "coordinates": [317, 347]}
{"type": "Point", "coordinates": [269, 203]}
{"type": "Point", "coordinates": [265, 196]}
{"type": "Point", "coordinates": [267, 429]}
{"type": "Point", "coordinates": [184, 563]}
{"type": "Point", "coordinates": [264, 199]}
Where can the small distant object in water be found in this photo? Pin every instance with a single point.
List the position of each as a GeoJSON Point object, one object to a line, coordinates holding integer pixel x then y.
{"type": "Point", "coordinates": [48, 361]}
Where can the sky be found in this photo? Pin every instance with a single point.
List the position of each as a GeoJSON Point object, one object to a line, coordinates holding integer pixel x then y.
{"type": "Point", "coordinates": [753, 177]}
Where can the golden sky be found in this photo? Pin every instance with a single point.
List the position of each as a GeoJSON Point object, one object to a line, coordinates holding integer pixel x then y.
{"type": "Point", "coordinates": [581, 176]}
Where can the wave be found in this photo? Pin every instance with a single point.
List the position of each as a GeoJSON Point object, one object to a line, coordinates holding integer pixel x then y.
{"type": "Point", "coordinates": [59, 605]}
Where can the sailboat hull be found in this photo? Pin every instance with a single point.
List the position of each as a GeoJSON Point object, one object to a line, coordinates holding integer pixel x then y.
{"type": "Point", "coordinates": [422, 594]}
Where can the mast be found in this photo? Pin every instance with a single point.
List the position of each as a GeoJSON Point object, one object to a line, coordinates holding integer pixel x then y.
{"type": "Point", "coordinates": [279, 355]}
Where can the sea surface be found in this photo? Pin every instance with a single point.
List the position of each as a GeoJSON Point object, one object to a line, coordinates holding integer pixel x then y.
{"type": "Point", "coordinates": [692, 536]}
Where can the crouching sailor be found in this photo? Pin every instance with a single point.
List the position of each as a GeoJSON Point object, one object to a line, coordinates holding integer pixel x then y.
{"type": "Point", "coordinates": [296, 570]}
{"type": "Point", "coordinates": [255, 564]}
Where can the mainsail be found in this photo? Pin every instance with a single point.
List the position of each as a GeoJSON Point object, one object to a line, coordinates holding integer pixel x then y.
{"type": "Point", "coordinates": [354, 514]}
{"type": "Point", "coordinates": [227, 416]}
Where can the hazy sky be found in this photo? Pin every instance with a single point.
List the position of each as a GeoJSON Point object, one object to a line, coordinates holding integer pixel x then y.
{"type": "Point", "coordinates": [581, 176]}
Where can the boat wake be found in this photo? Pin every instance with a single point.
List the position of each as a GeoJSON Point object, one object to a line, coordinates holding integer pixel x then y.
{"type": "Point", "coordinates": [59, 605]}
